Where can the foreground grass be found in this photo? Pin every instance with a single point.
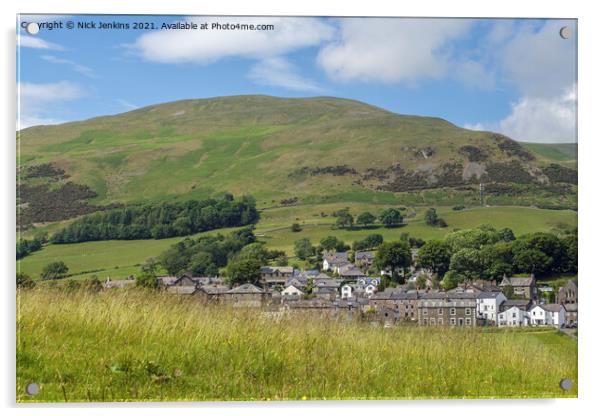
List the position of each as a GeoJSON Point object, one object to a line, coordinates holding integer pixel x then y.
{"type": "Point", "coordinates": [126, 345]}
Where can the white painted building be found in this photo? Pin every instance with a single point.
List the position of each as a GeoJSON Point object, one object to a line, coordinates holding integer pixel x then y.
{"type": "Point", "coordinates": [488, 305]}
{"type": "Point", "coordinates": [548, 314]}
{"type": "Point", "coordinates": [513, 316]}
{"type": "Point", "coordinates": [292, 291]}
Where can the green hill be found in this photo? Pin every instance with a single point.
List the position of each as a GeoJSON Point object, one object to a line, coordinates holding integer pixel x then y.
{"type": "Point", "coordinates": [283, 151]}
{"type": "Point", "coordinates": [563, 153]}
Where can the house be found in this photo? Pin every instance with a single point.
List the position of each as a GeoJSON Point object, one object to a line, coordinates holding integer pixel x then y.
{"type": "Point", "coordinates": [447, 309]}
{"type": "Point", "coordinates": [165, 281]}
{"type": "Point", "coordinates": [298, 281]}
{"type": "Point", "coordinates": [571, 313]}
{"type": "Point", "coordinates": [332, 261]}
{"type": "Point", "coordinates": [523, 287]}
{"type": "Point", "coordinates": [568, 293]}
{"type": "Point", "coordinates": [212, 293]}
{"type": "Point", "coordinates": [182, 290]}
{"type": "Point", "coordinates": [292, 291]}
{"type": "Point", "coordinates": [246, 295]}
{"type": "Point", "coordinates": [109, 283]}
{"type": "Point", "coordinates": [357, 290]}
{"type": "Point", "coordinates": [488, 304]}
{"type": "Point", "coordinates": [514, 312]}
{"type": "Point", "coordinates": [350, 272]}
{"type": "Point", "coordinates": [405, 304]}
{"type": "Point", "coordinates": [364, 259]}
{"type": "Point", "coordinates": [375, 281]}
{"type": "Point", "coordinates": [326, 292]}
{"type": "Point", "coordinates": [552, 314]}
{"type": "Point", "coordinates": [273, 276]}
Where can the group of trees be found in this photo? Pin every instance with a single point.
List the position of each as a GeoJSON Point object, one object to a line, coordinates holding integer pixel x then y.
{"type": "Point", "coordinates": [161, 220]}
{"type": "Point", "coordinates": [205, 255]}
{"type": "Point", "coordinates": [485, 252]}
{"type": "Point", "coordinates": [391, 217]}
{"type": "Point", "coordinates": [432, 218]}
{"type": "Point", "coordinates": [26, 247]}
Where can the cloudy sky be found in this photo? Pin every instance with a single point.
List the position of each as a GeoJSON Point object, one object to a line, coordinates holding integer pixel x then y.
{"type": "Point", "coordinates": [517, 77]}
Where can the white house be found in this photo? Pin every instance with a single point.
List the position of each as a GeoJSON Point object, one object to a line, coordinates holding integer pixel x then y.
{"type": "Point", "coordinates": [514, 312]}
{"type": "Point", "coordinates": [333, 261]}
{"type": "Point", "coordinates": [292, 291]}
{"type": "Point", "coordinates": [351, 290]}
{"type": "Point", "coordinates": [513, 316]}
{"type": "Point", "coordinates": [488, 305]}
{"type": "Point", "coordinates": [550, 314]}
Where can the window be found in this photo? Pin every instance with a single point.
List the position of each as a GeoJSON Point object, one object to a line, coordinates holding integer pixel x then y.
{"type": "Point", "coordinates": [440, 321]}
{"type": "Point", "coordinates": [425, 312]}
{"type": "Point", "coordinates": [514, 314]}
{"type": "Point", "coordinates": [440, 312]}
{"type": "Point", "coordinates": [452, 311]}
{"type": "Point", "coordinates": [433, 321]}
{"type": "Point", "coordinates": [468, 321]}
{"type": "Point", "coordinates": [452, 321]}
{"type": "Point", "coordinates": [425, 321]}
{"type": "Point", "coordinates": [467, 311]}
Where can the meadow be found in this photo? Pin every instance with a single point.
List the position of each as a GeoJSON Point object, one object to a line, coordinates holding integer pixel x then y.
{"type": "Point", "coordinates": [122, 258]}
{"type": "Point", "coordinates": [135, 345]}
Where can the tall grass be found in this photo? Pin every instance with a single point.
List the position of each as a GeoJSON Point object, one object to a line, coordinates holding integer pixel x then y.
{"type": "Point", "coordinates": [125, 345]}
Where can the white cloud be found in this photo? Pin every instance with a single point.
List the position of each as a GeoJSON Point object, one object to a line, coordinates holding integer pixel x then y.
{"type": "Point", "coordinates": [208, 46]}
{"type": "Point", "coordinates": [533, 58]}
{"type": "Point", "coordinates": [37, 43]}
{"type": "Point", "coordinates": [278, 72]}
{"type": "Point", "coordinates": [390, 50]}
{"type": "Point", "coordinates": [37, 103]}
{"type": "Point", "coordinates": [538, 61]}
{"type": "Point", "coordinates": [539, 119]}
{"type": "Point", "coordinates": [84, 70]}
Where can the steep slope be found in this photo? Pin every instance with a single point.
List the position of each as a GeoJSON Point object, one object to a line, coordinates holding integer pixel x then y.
{"type": "Point", "coordinates": [278, 149]}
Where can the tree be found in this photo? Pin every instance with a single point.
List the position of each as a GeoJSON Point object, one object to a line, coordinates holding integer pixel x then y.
{"type": "Point", "coordinates": [54, 270]}
{"type": "Point", "coordinates": [243, 271]}
{"type": "Point", "coordinates": [393, 256]}
{"type": "Point", "coordinates": [391, 217]}
{"type": "Point", "coordinates": [255, 251]}
{"type": "Point", "coordinates": [303, 249]}
{"type": "Point", "coordinates": [150, 266]}
{"type": "Point", "coordinates": [467, 263]}
{"type": "Point", "coordinates": [431, 217]}
{"type": "Point", "coordinates": [532, 261]}
{"type": "Point", "coordinates": [365, 219]}
{"type": "Point", "coordinates": [451, 280]}
{"type": "Point", "coordinates": [435, 255]}
{"type": "Point", "coordinates": [421, 281]}
{"type": "Point", "coordinates": [201, 264]}
{"type": "Point", "coordinates": [369, 242]}
{"type": "Point", "coordinates": [295, 227]}
{"type": "Point", "coordinates": [24, 281]}
{"type": "Point", "coordinates": [344, 219]}
{"type": "Point", "coordinates": [331, 243]}
{"type": "Point", "coordinates": [146, 280]}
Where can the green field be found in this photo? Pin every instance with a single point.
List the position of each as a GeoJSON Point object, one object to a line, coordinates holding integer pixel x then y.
{"type": "Point", "coordinates": [131, 345]}
{"type": "Point", "coordinates": [122, 258]}
{"type": "Point", "coordinates": [563, 153]}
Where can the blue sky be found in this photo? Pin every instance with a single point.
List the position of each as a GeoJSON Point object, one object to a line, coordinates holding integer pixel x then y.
{"type": "Point", "coordinates": [512, 76]}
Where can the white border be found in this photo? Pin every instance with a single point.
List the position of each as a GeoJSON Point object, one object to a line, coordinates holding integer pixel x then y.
{"type": "Point", "coordinates": [589, 206]}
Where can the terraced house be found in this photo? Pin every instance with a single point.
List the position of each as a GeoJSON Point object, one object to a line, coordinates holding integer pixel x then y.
{"type": "Point", "coordinates": [447, 309]}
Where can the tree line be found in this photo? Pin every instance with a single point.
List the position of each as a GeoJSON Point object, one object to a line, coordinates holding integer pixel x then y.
{"type": "Point", "coordinates": [160, 220]}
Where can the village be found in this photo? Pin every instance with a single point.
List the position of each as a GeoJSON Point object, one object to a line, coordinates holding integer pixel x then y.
{"type": "Point", "coordinates": [342, 288]}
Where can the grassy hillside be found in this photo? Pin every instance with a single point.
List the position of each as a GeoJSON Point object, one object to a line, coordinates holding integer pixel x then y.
{"type": "Point", "coordinates": [317, 150]}
{"type": "Point", "coordinates": [122, 258]}
{"type": "Point", "coordinates": [126, 345]}
{"type": "Point", "coordinates": [564, 153]}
